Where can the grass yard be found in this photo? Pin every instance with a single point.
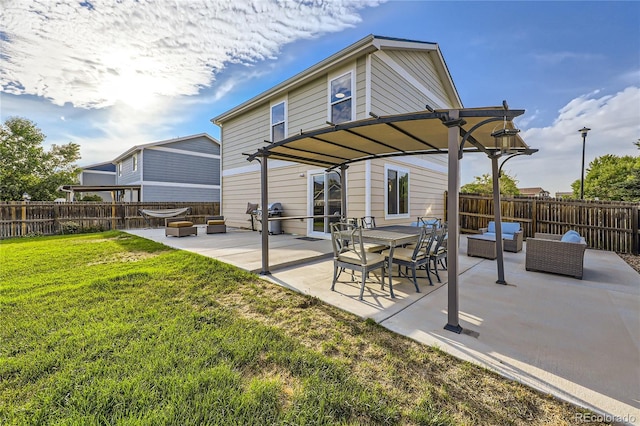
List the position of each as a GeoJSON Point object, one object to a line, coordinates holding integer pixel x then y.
{"type": "Point", "coordinates": [109, 328]}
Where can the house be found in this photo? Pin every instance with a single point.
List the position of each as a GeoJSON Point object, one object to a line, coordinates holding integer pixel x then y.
{"type": "Point", "coordinates": [534, 192]}
{"type": "Point", "coordinates": [376, 75]}
{"type": "Point", "coordinates": [181, 169]}
{"type": "Point", "coordinates": [100, 175]}
{"type": "Point", "coordinates": [565, 195]}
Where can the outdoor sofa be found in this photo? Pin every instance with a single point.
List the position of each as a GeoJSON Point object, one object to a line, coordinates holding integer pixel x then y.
{"type": "Point", "coordinates": [179, 227]}
{"type": "Point", "coordinates": [511, 235]}
{"type": "Point", "coordinates": [558, 254]}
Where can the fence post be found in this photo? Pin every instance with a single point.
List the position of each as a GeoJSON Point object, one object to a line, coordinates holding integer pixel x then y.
{"type": "Point", "coordinates": [635, 239]}
{"type": "Point", "coordinates": [24, 218]}
{"type": "Point", "coordinates": [534, 217]}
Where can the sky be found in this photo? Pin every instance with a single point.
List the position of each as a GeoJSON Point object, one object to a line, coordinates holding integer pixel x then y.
{"type": "Point", "coordinates": [109, 75]}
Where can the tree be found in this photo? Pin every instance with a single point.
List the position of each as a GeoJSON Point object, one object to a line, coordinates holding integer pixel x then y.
{"type": "Point", "coordinates": [611, 177]}
{"type": "Point", "coordinates": [484, 185]}
{"type": "Point", "coordinates": [25, 166]}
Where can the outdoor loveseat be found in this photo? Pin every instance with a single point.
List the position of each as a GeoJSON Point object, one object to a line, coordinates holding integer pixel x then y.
{"type": "Point", "coordinates": [559, 254]}
{"type": "Point", "coordinates": [511, 235]}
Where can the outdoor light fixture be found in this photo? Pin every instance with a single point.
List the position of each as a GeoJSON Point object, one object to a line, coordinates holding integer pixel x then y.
{"type": "Point", "coordinates": [26, 197]}
{"type": "Point", "coordinates": [584, 132]}
{"type": "Point", "coordinates": [506, 140]}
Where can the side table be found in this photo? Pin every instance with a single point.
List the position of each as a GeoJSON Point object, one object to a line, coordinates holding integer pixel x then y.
{"type": "Point", "coordinates": [481, 246]}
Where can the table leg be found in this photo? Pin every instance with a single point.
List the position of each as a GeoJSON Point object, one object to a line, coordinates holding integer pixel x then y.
{"type": "Point", "coordinates": [389, 267]}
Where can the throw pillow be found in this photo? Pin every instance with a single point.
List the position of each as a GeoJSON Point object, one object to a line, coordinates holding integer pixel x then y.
{"type": "Point", "coordinates": [571, 237]}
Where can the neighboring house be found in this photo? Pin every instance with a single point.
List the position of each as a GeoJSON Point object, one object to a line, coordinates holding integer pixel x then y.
{"type": "Point", "coordinates": [565, 195]}
{"type": "Point", "coordinates": [534, 192]}
{"type": "Point", "coordinates": [101, 174]}
{"type": "Point", "coordinates": [181, 169]}
{"type": "Point", "coordinates": [376, 75]}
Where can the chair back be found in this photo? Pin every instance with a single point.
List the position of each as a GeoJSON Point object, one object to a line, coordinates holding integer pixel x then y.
{"type": "Point", "coordinates": [347, 238]}
{"type": "Point", "coordinates": [440, 242]}
{"type": "Point", "coordinates": [429, 222]}
{"type": "Point", "coordinates": [368, 222]}
{"type": "Point", "coordinates": [425, 240]}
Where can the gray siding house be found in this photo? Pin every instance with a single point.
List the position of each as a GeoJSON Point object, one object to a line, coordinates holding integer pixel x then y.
{"type": "Point", "coordinates": [101, 174]}
{"type": "Point", "coordinates": [181, 169]}
{"type": "Point", "coordinates": [376, 75]}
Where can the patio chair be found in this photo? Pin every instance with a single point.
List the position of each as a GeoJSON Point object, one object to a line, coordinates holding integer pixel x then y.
{"type": "Point", "coordinates": [179, 227]}
{"type": "Point", "coordinates": [438, 251]}
{"type": "Point", "coordinates": [558, 254]}
{"type": "Point", "coordinates": [349, 253]}
{"type": "Point", "coordinates": [216, 225]}
{"type": "Point", "coordinates": [415, 256]}
{"type": "Point", "coordinates": [512, 235]}
{"type": "Point", "coordinates": [429, 222]}
{"type": "Point", "coordinates": [368, 222]}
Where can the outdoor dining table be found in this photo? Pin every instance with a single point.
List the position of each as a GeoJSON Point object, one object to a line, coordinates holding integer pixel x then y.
{"type": "Point", "coordinates": [391, 236]}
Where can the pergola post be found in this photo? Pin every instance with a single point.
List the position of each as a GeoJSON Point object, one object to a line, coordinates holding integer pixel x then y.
{"type": "Point", "coordinates": [453, 212]}
{"type": "Point", "coordinates": [343, 190]}
{"type": "Point", "coordinates": [264, 202]}
{"type": "Point", "coordinates": [497, 218]}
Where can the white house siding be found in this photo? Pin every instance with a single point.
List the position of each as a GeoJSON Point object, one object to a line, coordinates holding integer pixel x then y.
{"type": "Point", "coordinates": [285, 186]}
{"type": "Point", "coordinates": [245, 134]}
{"type": "Point", "coordinates": [426, 191]}
{"type": "Point", "coordinates": [308, 106]}
{"type": "Point", "coordinates": [420, 66]}
{"type": "Point", "coordinates": [391, 94]}
{"type": "Point", "coordinates": [361, 85]}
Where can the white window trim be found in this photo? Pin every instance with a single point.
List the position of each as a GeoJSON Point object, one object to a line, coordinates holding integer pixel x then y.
{"type": "Point", "coordinates": [337, 75]}
{"type": "Point", "coordinates": [134, 162]}
{"type": "Point", "coordinates": [310, 173]}
{"type": "Point", "coordinates": [396, 168]}
{"type": "Point", "coordinates": [119, 168]}
{"type": "Point", "coordinates": [286, 115]}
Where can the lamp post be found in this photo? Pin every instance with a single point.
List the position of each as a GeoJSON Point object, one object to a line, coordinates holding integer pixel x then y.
{"type": "Point", "coordinates": [584, 132]}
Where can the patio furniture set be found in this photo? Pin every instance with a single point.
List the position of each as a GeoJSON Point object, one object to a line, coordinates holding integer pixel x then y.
{"type": "Point", "coordinates": [411, 247]}
{"type": "Point", "coordinates": [181, 227]}
{"type": "Point", "coordinates": [423, 246]}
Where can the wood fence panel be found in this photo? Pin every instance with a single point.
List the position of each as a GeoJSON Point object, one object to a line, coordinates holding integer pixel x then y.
{"type": "Point", "coordinates": [606, 225]}
{"type": "Point", "coordinates": [18, 219]}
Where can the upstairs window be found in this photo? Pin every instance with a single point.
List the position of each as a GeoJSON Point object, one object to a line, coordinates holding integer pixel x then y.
{"type": "Point", "coordinates": [341, 100]}
{"type": "Point", "coordinates": [135, 162]}
{"type": "Point", "coordinates": [120, 168]}
{"type": "Point", "coordinates": [278, 122]}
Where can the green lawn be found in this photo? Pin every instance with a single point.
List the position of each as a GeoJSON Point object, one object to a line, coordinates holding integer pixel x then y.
{"type": "Point", "coordinates": [113, 329]}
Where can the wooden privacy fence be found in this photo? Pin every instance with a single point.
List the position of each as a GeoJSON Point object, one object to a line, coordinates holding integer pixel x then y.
{"type": "Point", "coordinates": [46, 218]}
{"type": "Point", "coordinates": [606, 225]}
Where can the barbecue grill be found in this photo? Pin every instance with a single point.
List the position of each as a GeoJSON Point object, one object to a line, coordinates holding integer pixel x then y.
{"type": "Point", "coordinates": [273, 210]}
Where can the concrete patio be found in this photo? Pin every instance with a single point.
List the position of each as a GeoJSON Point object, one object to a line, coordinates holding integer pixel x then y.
{"type": "Point", "coordinates": [576, 339]}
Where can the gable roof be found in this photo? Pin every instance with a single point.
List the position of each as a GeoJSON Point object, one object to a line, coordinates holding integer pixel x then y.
{"type": "Point", "coordinates": [164, 142]}
{"type": "Point", "coordinates": [369, 44]}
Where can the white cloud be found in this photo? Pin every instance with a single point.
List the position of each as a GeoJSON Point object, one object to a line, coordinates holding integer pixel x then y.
{"type": "Point", "coordinates": [614, 124]}
{"type": "Point", "coordinates": [96, 54]}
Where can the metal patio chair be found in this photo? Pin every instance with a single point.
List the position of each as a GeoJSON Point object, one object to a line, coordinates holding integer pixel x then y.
{"type": "Point", "coordinates": [349, 253]}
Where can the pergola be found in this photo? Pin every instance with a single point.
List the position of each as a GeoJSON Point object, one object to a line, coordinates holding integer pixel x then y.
{"type": "Point", "coordinates": [488, 130]}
